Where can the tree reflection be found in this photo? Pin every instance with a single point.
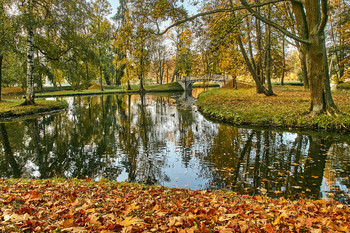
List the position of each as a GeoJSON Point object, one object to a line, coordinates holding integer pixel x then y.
{"type": "Point", "coordinates": [149, 139]}
{"type": "Point", "coordinates": [10, 161]}
{"type": "Point", "coordinates": [292, 166]}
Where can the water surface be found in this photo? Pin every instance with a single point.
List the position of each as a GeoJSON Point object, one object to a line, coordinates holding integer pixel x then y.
{"type": "Point", "coordinates": [162, 139]}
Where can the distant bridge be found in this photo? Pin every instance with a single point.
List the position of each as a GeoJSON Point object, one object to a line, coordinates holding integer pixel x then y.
{"type": "Point", "coordinates": [187, 81]}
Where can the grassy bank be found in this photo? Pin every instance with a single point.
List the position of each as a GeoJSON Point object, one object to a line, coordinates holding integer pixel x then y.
{"type": "Point", "coordinates": [344, 86]}
{"type": "Point", "coordinates": [164, 87]}
{"type": "Point", "coordinates": [13, 107]}
{"type": "Point", "coordinates": [113, 90]}
{"type": "Point", "coordinates": [86, 206]}
{"type": "Point", "coordinates": [290, 108]}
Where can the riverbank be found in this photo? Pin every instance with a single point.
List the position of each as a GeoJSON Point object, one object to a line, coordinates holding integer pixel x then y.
{"type": "Point", "coordinates": [104, 206]}
{"type": "Point", "coordinates": [290, 108]}
{"type": "Point", "coordinates": [13, 108]}
{"type": "Point", "coordinates": [171, 87]}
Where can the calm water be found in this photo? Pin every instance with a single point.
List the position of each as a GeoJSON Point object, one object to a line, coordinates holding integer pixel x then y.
{"type": "Point", "coordinates": [162, 139]}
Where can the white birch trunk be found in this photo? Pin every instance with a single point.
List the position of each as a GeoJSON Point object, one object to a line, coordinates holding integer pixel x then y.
{"type": "Point", "coordinates": [29, 98]}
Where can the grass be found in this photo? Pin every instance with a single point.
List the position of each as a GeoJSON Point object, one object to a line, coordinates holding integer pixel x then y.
{"type": "Point", "coordinates": [13, 107]}
{"type": "Point", "coordinates": [290, 108]}
{"type": "Point", "coordinates": [345, 86]}
{"type": "Point", "coordinates": [114, 90]}
{"type": "Point", "coordinates": [202, 84]}
{"type": "Point", "coordinates": [164, 87]}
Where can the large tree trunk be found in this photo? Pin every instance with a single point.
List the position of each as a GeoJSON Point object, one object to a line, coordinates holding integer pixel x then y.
{"type": "Point", "coordinates": [311, 22]}
{"type": "Point", "coordinates": [316, 66]}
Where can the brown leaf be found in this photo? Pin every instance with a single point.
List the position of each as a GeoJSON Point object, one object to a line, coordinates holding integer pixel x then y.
{"type": "Point", "coordinates": [16, 218]}
{"type": "Point", "coordinates": [176, 221]}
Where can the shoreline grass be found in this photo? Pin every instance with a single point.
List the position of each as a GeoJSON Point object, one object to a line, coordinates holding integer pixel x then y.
{"type": "Point", "coordinates": [114, 90]}
{"type": "Point", "coordinates": [10, 108]}
{"type": "Point", "coordinates": [106, 206]}
{"type": "Point", "coordinates": [289, 109]}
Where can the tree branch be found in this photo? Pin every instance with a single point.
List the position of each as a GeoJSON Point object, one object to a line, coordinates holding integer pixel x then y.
{"type": "Point", "coordinates": [272, 24]}
{"type": "Point", "coordinates": [324, 18]}
{"type": "Point", "coordinates": [223, 10]}
{"type": "Point", "coordinates": [54, 58]}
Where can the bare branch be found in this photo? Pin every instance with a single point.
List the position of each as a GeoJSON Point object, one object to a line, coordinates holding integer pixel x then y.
{"type": "Point", "coordinates": [232, 9]}
{"type": "Point", "coordinates": [272, 24]}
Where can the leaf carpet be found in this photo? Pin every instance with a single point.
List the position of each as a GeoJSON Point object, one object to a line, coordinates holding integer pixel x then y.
{"type": "Point", "coordinates": [87, 206]}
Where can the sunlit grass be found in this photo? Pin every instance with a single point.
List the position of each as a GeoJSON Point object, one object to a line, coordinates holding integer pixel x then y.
{"type": "Point", "coordinates": [290, 108]}
{"type": "Point", "coordinates": [164, 87]}
{"type": "Point", "coordinates": [13, 107]}
{"type": "Point", "coordinates": [344, 85]}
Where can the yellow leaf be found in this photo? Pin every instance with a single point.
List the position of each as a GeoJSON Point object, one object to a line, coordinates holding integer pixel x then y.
{"type": "Point", "coordinates": [128, 221]}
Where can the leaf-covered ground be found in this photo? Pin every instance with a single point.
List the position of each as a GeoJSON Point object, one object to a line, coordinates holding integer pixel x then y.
{"type": "Point", "coordinates": [86, 206]}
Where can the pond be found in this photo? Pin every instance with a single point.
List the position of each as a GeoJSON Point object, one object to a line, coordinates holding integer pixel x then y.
{"type": "Point", "coordinates": [162, 139]}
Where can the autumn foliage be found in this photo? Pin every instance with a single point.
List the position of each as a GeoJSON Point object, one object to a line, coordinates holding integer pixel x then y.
{"type": "Point", "coordinates": [86, 206]}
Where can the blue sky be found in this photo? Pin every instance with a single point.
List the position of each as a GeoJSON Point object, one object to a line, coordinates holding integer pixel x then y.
{"type": "Point", "coordinates": [114, 4]}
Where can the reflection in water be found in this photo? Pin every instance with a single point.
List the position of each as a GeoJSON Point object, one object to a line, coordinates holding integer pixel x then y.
{"type": "Point", "coordinates": [156, 140]}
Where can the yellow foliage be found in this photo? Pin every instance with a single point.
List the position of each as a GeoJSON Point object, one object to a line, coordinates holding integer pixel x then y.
{"type": "Point", "coordinates": [346, 75]}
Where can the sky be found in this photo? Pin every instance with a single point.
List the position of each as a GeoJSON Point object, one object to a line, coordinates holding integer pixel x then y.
{"type": "Point", "coordinates": [114, 4]}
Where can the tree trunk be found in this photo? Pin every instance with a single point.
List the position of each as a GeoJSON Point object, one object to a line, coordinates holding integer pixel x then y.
{"type": "Point", "coordinates": [259, 56]}
{"type": "Point", "coordinates": [304, 70]}
{"type": "Point", "coordinates": [268, 53]}
{"type": "Point", "coordinates": [250, 47]}
{"type": "Point", "coordinates": [251, 69]}
{"type": "Point", "coordinates": [284, 61]}
{"type": "Point", "coordinates": [129, 87]}
{"type": "Point", "coordinates": [1, 58]}
{"type": "Point", "coordinates": [29, 98]}
{"type": "Point", "coordinates": [317, 67]}
{"type": "Point", "coordinates": [175, 74]}
{"type": "Point", "coordinates": [100, 69]}
{"type": "Point", "coordinates": [101, 78]}
{"type": "Point", "coordinates": [311, 22]}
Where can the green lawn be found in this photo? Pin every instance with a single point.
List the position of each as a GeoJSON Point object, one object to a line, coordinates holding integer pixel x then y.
{"type": "Point", "coordinates": [13, 107]}
{"type": "Point", "coordinates": [290, 108]}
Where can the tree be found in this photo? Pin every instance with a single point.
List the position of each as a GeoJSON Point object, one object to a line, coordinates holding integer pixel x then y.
{"type": "Point", "coordinates": [101, 30]}
{"type": "Point", "coordinates": [51, 28]}
{"type": "Point", "coordinates": [338, 32]}
{"type": "Point", "coordinates": [8, 30]}
{"type": "Point", "coordinates": [311, 18]}
{"type": "Point", "coordinates": [182, 41]}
